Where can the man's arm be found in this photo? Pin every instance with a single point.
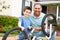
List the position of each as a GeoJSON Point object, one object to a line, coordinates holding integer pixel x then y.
{"type": "Point", "coordinates": [37, 28]}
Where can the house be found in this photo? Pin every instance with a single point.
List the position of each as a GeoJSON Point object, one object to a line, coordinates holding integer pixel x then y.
{"type": "Point", "coordinates": [51, 6]}
{"type": "Point", "coordinates": [15, 7]}
{"type": "Point", "coordinates": [10, 7]}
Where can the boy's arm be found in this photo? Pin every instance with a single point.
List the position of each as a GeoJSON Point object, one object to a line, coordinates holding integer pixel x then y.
{"type": "Point", "coordinates": [19, 25]}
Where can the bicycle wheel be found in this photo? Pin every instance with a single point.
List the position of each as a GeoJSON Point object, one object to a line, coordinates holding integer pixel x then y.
{"type": "Point", "coordinates": [51, 19]}
{"type": "Point", "coordinates": [11, 30]}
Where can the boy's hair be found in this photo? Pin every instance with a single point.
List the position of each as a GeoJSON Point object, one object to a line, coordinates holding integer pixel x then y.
{"type": "Point", "coordinates": [27, 7]}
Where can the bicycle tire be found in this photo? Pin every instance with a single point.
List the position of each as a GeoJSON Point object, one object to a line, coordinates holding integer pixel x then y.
{"type": "Point", "coordinates": [42, 24]}
{"type": "Point", "coordinates": [15, 28]}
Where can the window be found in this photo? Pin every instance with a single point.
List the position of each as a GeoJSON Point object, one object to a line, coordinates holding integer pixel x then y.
{"type": "Point", "coordinates": [59, 15]}
{"type": "Point", "coordinates": [52, 9]}
{"type": "Point", "coordinates": [58, 20]}
{"type": "Point", "coordinates": [59, 12]}
{"type": "Point", "coordinates": [48, 0]}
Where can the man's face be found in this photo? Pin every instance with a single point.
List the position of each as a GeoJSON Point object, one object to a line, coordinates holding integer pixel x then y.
{"type": "Point", "coordinates": [27, 12]}
{"type": "Point", "coordinates": [37, 9]}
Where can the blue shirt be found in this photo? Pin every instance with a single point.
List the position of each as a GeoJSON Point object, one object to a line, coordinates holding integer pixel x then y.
{"type": "Point", "coordinates": [36, 22]}
{"type": "Point", "coordinates": [25, 22]}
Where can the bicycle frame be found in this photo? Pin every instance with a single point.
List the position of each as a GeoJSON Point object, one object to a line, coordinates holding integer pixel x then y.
{"type": "Point", "coordinates": [48, 36]}
{"type": "Point", "coordinates": [30, 34]}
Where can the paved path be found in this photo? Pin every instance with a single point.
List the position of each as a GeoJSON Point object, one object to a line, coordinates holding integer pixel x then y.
{"type": "Point", "coordinates": [11, 38]}
{"type": "Point", "coordinates": [15, 38]}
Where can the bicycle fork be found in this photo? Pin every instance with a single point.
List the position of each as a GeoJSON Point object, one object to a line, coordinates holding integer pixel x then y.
{"type": "Point", "coordinates": [50, 31]}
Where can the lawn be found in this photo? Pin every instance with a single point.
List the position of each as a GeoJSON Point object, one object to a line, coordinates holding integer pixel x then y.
{"type": "Point", "coordinates": [57, 38]}
{"type": "Point", "coordinates": [46, 39]}
{"type": "Point", "coordinates": [1, 35]}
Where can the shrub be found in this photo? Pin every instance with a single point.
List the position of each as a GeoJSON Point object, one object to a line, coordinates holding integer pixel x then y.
{"type": "Point", "coordinates": [8, 22]}
{"type": "Point", "coordinates": [1, 27]}
{"type": "Point", "coordinates": [58, 27]}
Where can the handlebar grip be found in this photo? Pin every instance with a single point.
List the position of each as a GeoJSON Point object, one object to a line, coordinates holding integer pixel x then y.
{"type": "Point", "coordinates": [30, 29]}
{"type": "Point", "coordinates": [25, 35]}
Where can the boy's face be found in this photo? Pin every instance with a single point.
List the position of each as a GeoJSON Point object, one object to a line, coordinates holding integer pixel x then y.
{"type": "Point", "coordinates": [27, 12]}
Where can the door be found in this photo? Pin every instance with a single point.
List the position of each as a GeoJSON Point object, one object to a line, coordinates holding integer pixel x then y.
{"type": "Point", "coordinates": [44, 9]}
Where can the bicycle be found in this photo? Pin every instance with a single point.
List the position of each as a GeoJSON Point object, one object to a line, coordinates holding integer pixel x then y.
{"type": "Point", "coordinates": [30, 37]}
{"type": "Point", "coordinates": [52, 24]}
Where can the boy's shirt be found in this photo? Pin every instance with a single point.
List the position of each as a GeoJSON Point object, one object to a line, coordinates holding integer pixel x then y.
{"type": "Point", "coordinates": [25, 22]}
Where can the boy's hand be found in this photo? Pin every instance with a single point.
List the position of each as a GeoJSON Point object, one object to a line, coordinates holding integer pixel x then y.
{"type": "Point", "coordinates": [29, 27]}
{"type": "Point", "coordinates": [22, 28]}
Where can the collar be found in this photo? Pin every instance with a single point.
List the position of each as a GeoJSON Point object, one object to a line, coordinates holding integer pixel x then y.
{"type": "Point", "coordinates": [37, 17]}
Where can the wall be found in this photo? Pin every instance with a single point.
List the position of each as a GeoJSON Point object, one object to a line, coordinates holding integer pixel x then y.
{"type": "Point", "coordinates": [14, 9]}
{"type": "Point", "coordinates": [48, 0]}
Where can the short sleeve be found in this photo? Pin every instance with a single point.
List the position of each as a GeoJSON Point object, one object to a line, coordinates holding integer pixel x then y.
{"type": "Point", "coordinates": [20, 19]}
{"type": "Point", "coordinates": [30, 23]}
{"type": "Point", "coordinates": [46, 21]}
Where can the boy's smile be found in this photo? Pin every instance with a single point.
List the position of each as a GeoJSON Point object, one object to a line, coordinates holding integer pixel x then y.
{"type": "Point", "coordinates": [27, 13]}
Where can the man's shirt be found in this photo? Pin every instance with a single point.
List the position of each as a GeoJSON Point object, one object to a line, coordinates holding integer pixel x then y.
{"type": "Point", "coordinates": [36, 22]}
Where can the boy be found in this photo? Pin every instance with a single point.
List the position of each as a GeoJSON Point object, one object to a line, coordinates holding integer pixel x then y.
{"type": "Point", "coordinates": [24, 22]}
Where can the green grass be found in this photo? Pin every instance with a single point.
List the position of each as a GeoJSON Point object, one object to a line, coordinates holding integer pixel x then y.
{"type": "Point", "coordinates": [13, 33]}
{"type": "Point", "coordinates": [46, 39]}
{"type": "Point", "coordinates": [57, 38]}
{"type": "Point", "coordinates": [2, 34]}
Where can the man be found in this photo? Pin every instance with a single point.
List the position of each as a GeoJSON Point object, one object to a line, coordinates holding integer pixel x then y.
{"type": "Point", "coordinates": [36, 19]}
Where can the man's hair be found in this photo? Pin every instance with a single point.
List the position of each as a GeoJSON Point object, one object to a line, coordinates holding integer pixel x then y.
{"type": "Point", "coordinates": [37, 4]}
{"type": "Point", "coordinates": [28, 8]}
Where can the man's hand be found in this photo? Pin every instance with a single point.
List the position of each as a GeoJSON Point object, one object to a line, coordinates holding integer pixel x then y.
{"type": "Point", "coordinates": [37, 28]}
